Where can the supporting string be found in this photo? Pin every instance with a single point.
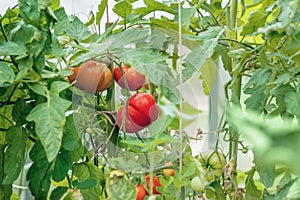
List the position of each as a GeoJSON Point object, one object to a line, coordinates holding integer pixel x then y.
{"type": "Point", "coordinates": [180, 85]}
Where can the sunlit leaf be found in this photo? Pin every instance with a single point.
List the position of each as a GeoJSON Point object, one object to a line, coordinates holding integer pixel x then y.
{"type": "Point", "coordinates": [50, 119]}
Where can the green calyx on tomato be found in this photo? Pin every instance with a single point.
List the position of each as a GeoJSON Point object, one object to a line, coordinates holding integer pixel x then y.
{"type": "Point", "coordinates": [140, 112]}
{"type": "Point", "coordinates": [134, 79]}
{"type": "Point", "coordinates": [213, 164]}
{"type": "Point", "coordinates": [140, 192]}
{"type": "Point", "coordinates": [91, 77]}
{"type": "Point", "coordinates": [155, 184]}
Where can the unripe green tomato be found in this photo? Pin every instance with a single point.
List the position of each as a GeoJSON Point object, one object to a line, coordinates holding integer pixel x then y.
{"type": "Point", "coordinates": [198, 183]}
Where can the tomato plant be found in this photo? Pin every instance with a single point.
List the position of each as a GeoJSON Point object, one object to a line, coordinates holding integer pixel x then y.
{"type": "Point", "coordinates": [140, 192]}
{"type": "Point", "coordinates": [91, 77]}
{"type": "Point", "coordinates": [71, 142]}
{"type": "Point", "coordinates": [131, 77]}
{"type": "Point", "coordinates": [140, 112]}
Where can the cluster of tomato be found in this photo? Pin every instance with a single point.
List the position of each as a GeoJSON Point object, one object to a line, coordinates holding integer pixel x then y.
{"type": "Point", "coordinates": [141, 192]}
{"type": "Point", "coordinates": [139, 111]}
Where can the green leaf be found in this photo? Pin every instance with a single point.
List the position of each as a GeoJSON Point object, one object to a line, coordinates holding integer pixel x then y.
{"type": "Point", "coordinates": [269, 137]}
{"type": "Point", "coordinates": [208, 41]}
{"type": "Point", "coordinates": [60, 169]}
{"type": "Point", "coordinates": [208, 75]}
{"type": "Point", "coordinates": [187, 15]}
{"type": "Point", "coordinates": [12, 49]}
{"type": "Point", "coordinates": [30, 12]}
{"type": "Point", "coordinates": [14, 158]}
{"type": "Point", "coordinates": [292, 100]}
{"type": "Point", "coordinates": [7, 75]}
{"type": "Point", "coordinates": [38, 176]}
{"type": "Point", "coordinates": [58, 193]}
{"type": "Point", "coordinates": [123, 9]}
{"type": "Point", "coordinates": [120, 188]}
{"type": "Point", "coordinates": [20, 111]}
{"type": "Point", "coordinates": [160, 125]}
{"type": "Point", "coordinates": [78, 30]}
{"type": "Point", "coordinates": [111, 43]}
{"type": "Point", "coordinates": [85, 171]}
{"type": "Point", "coordinates": [256, 87]}
{"type": "Point", "coordinates": [50, 119]}
{"type": "Point", "coordinates": [266, 173]}
{"type": "Point", "coordinates": [63, 23]}
{"type": "Point", "coordinates": [71, 140]}
{"type": "Point", "coordinates": [215, 191]}
{"type": "Point", "coordinates": [168, 25]}
{"type": "Point", "coordinates": [155, 5]}
{"type": "Point", "coordinates": [101, 8]}
{"type": "Point", "coordinates": [256, 20]}
{"type": "Point", "coordinates": [85, 184]}
{"type": "Point", "coordinates": [286, 11]}
{"type": "Point", "coordinates": [281, 193]}
{"type": "Point", "coordinates": [252, 192]}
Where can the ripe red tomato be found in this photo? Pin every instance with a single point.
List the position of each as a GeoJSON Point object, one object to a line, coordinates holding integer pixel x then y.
{"type": "Point", "coordinates": [155, 183]}
{"type": "Point", "coordinates": [91, 77]}
{"type": "Point", "coordinates": [141, 111]}
{"type": "Point", "coordinates": [135, 80]}
{"type": "Point", "coordinates": [169, 172]}
{"type": "Point", "coordinates": [140, 192]}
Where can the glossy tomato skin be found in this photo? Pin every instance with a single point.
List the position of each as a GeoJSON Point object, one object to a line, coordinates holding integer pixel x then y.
{"type": "Point", "coordinates": [140, 192]}
{"type": "Point", "coordinates": [155, 183]}
{"type": "Point", "coordinates": [91, 77]}
{"type": "Point", "coordinates": [72, 77]}
{"type": "Point", "coordinates": [106, 81]}
{"type": "Point", "coordinates": [130, 126]}
{"type": "Point", "coordinates": [135, 80]}
{"type": "Point", "coordinates": [146, 106]}
{"type": "Point", "coordinates": [141, 111]}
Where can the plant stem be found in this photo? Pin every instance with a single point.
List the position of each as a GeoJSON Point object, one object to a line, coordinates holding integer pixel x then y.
{"type": "Point", "coordinates": [235, 91]}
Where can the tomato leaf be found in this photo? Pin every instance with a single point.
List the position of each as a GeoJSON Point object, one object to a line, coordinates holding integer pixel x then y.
{"type": "Point", "coordinates": [266, 173]}
{"type": "Point", "coordinates": [292, 100]}
{"type": "Point", "coordinates": [208, 75]}
{"type": "Point", "coordinates": [269, 137]}
{"type": "Point", "coordinates": [38, 176]}
{"type": "Point", "coordinates": [50, 119]}
{"type": "Point", "coordinates": [208, 41]}
{"type": "Point", "coordinates": [58, 193]}
{"type": "Point", "coordinates": [78, 30]}
{"type": "Point", "coordinates": [111, 43]}
{"type": "Point", "coordinates": [281, 193]}
{"type": "Point", "coordinates": [123, 9]}
{"type": "Point", "coordinates": [251, 189]}
{"type": "Point", "coordinates": [86, 171]}
{"type": "Point", "coordinates": [12, 49]}
{"type": "Point", "coordinates": [256, 87]}
{"type": "Point", "coordinates": [7, 75]}
{"type": "Point", "coordinates": [120, 188]}
{"type": "Point", "coordinates": [14, 158]}
{"type": "Point", "coordinates": [30, 12]}
{"type": "Point", "coordinates": [70, 140]}
{"type": "Point", "coordinates": [101, 8]}
{"type": "Point", "coordinates": [256, 20]}
{"type": "Point", "coordinates": [85, 184]}
{"type": "Point", "coordinates": [60, 169]}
